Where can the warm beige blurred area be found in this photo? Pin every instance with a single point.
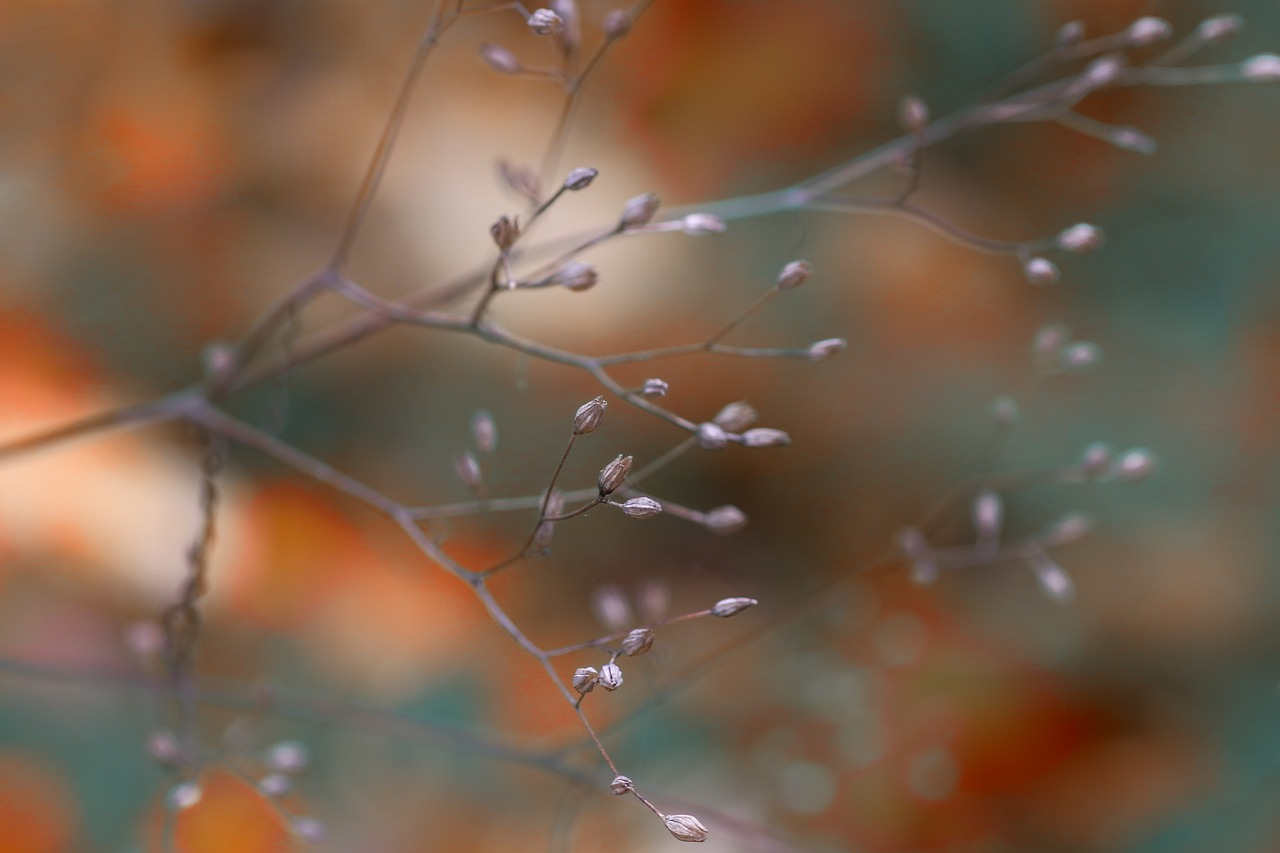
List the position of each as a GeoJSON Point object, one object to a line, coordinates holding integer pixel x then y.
{"type": "Point", "coordinates": [169, 170]}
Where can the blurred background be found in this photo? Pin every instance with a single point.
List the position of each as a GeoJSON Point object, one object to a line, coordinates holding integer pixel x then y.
{"type": "Point", "coordinates": [167, 170]}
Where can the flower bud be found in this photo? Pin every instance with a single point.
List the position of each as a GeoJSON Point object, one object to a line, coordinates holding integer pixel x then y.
{"type": "Point", "coordinates": [724, 520]}
{"type": "Point", "coordinates": [613, 474]}
{"type": "Point", "coordinates": [500, 59]}
{"type": "Point", "coordinates": [610, 677]}
{"type": "Point", "coordinates": [545, 22]}
{"type": "Point", "coordinates": [727, 607]}
{"type": "Point", "coordinates": [655, 388]}
{"type": "Point", "coordinates": [576, 275]}
{"type": "Point", "coordinates": [585, 679]}
{"type": "Point", "coordinates": [1148, 30]}
{"type": "Point", "coordinates": [641, 507]}
{"type": "Point", "coordinates": [702, 223]}
{"type": "Point", "coordinates": [735, 417]}
{"type": "Point", "coordinates": [504, 232]}
{"type": "Point", "coordinates": [1265, 67]}
{"type": "Point", "coordinates": [711, 436]}
{"type": "Point", "coordinates": [1080, 239]}
{"type": "Point", "coordinates": [589, 416]}
{"type": "Point", "coordinates": [622, 785]}
{"type": "Point", "coordinates": [685, 827]}
{"type": "Point", "coordinates": [1041, 271]}
{"type": "Point", "coordinates": [793, 275]}
{"type": "Point", "coordinates": [616, 24]}
{"type": "Point", "coordinates": [825, 349]}
{"type": "Point", "coordinates": [580, 179]}
{"type": "Point", "coordinates": [639, 210]}
{"type": "Point", "coordinates": [637, 642]}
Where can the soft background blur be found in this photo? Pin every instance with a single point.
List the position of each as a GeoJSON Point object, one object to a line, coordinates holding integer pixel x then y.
{"type": "Point", "coordinates": [167, 169]}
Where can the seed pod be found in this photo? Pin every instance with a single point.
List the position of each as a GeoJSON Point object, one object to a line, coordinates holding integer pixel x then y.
{"type": "Point", "coordinates": [1265, 67]}
{"type": "Point", "coordinates": [287, 756]}
{"type": "Point", "coordinates": [639, 210]}
{"type": "Point", "coordinates": [580, 179]}
{"type": "Point", "coordinates": [793, 275]}
{"type": "Point", "coordinates": [589, 416]}
{"type": "Point", "coordinates": [610, 677]}
{"type": "Point", "coordinates": [613, 474]}
{"type": "Point", "coordinates": [500, 59]}
{"type": "Point", "coordinates": [765, 437]}
{"type": "Point", "coordinates": [545, 22]}
{"type": "Point", "coordinates": [616, 24]}
{"type": "Point", "coordinates": [725, 520]}
{"type": "Point", "coordinates": [655, 388]}
{"type": "Point", "coordinates": [702, 223]}
{"type": "Point", "coordinates": [1041, 271]}
{"type": "Point", "coordinates": [727, 607]}
{"type": "Point", "coordinates": [585, 679]}
{"type": "Point", "coordinates": [622, 785]}
{"type": "Point", "coordinates": [1080, 239]}
{"type": "Point", "coordinates": [504, 232]}
{"type": "Point", "coordinates": [685, 827]}
{"type": "Point", "coordinates": [711, 437]}
{"type": "Point", "coordinates": [913, 114]}
{"type": "Point", "coordinates": [637, 642]}
{"type": "Point", "coordinates": [484, 432]}
{"type": "Point", "coordinates": [467, 467]}
{"type": "Point", "coordinates": [1148, 30]}
{"type": "Point", "coordinates": [735, 417]}
{"type": "Point", "coordinates": [575, 275]}
{"type": "Point", "coordinates": [641, 507]}
{"type": "Point", "coordinates": [825, 349]}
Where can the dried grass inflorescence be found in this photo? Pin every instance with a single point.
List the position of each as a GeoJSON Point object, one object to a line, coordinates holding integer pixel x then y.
{"type": "Point", "coordinates": [1050, 89]}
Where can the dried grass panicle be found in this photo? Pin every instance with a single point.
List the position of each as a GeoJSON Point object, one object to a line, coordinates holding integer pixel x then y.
{"type": "Point", "coordinates": [1050, 89]}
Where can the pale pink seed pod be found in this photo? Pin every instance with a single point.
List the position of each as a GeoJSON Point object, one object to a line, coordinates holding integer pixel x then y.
{"type": "Point", "coordinates": [1219, 27]}
{"type": "Point", "coordinates": [165, 749]}
{"type": "Point", "coordinates": [702, 223]}
{"type": "Point", "coordinates": [622, 785]}
{"type": "Point", "coordinates": [544, 22]}
{"type": "Point", "coordinates": [184, 795]}
{"type": "Point", "coordinates": [637, 642]}
{"type": "Point", "coordinates": [1080, 238]}
{"type": "Point", "coordinates": [765, 437]}
{"type": "Point", "coordinates": [655, 388]}
{"type": "Point", "coordinates": [685, 827]}
{"type": "Point", "coordinates": [825, 349]}
{"type": "Point", "coordinates": [467, 469]}
{"type": "Point", "coordinates": [1081, 355]}
{"type": "Point", "coordinates": [1134, 464]}
{"type": "Point", "coordinates": [484, 432]}
{"type": "Point", "coordinates": [274, 786]}
{"type": "Point", "coordinates": [1263, 68]}
{"type": "Point", "coordinates": [308, 829]}
{"type": "Point", "coordinates": [1149, 30]}
{"type": "Point", "coordinates": [1066, 530]}
{"type": "Point", "coordinates": [639, 210]}
{"type": "Point", "coordinates": [988, 514]}
{"type": "Point", "coordinates": [1095, 460]}
{"type": "Point", "coordinates": [793, 275]}
{"type": "Point", "coordinates": [1053, 579]}
{"type": "Point", "coordinates": [610, 606]}
{"type": "Point", "coordinates": [1041, 271]}
{"type": "Point", "coordinates": [590, 416]}
{"type": "Point", "coordinates": [610, 677]}
{"type": "Point", "coordinates": [580, 179]}
{"type": "Point", "coordinates": [711, 436]}
{"type": "Point", "coordinates": [735, 417]}
{"type": "Point", "coordinates": [617, 24]}
{"type": "Point", "coordinates": [1070, 33]}
{"type": "Point", "coordinates": [576, 276]}
{"type": "Point", "coordinates": [614, 474]}
{"type": "Point", "coordinates": [1049, 340]}
{"type": "Point", "coordinates": [500, 59]}
{"type": "Point", "coordinates": [727, 607]}
{"type": "Point", "coordinates": [1102, 72]}
{"type": "Point", "coordinates": [724, 520]}
{"type": "Point", "coordinates": [585, 679]}
{"type": "Point", "coordinates": [641, 507]}
{"type": "Point", "coordinates": [288, 756]}
{"type": "Point", "coordinates": [913, 114]}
